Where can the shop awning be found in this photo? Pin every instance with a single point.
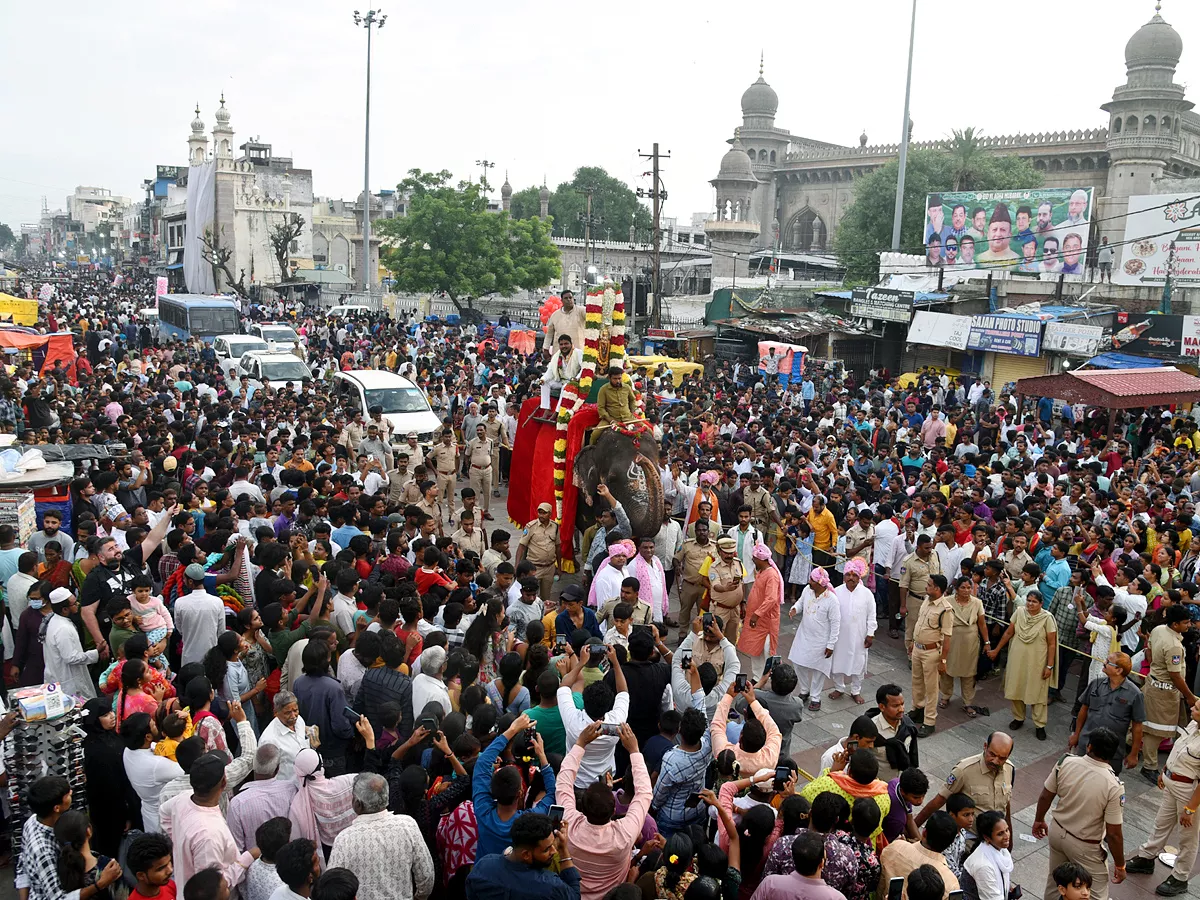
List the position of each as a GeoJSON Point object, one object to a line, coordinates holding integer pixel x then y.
{"type": "Point", "coordinates": [1124, 361]}
{"type": "Point", "coordinates": [1116, 388]}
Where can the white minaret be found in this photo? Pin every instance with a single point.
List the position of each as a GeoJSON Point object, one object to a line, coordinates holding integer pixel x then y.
{"type": "Point", "coordinates": [222, 133]}
{"type": "Point", "coordinates": [198, 141]}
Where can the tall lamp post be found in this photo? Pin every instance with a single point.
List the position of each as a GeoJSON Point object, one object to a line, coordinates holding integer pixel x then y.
{"type": "Point", "coordinates": [373, 18]}
{"type": "Point", "coordinates": [898, 215]}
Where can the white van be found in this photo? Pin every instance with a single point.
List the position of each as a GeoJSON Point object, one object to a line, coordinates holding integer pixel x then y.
{"type": "Point", "coordinates": [405, 406]}
{"type": "Point", "coordinates": [342, 312]}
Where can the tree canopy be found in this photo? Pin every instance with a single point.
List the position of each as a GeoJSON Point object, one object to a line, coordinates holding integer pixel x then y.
{"type": "Point", "coordinates": [449, 242]}
{"type": "Point", "coordinates": [7, 238]}
{"type": "Point", "coordinates": [867, 226]}
{"type": "Point", "coordinates": [612, 200]}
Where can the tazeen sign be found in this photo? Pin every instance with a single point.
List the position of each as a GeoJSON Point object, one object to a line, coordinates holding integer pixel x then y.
{"type": "Point", "coordinates": [885, 304]}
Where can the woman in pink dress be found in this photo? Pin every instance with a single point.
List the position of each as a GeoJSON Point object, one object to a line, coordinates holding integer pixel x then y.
{"type": "Point", "coordinates": [138, 691]}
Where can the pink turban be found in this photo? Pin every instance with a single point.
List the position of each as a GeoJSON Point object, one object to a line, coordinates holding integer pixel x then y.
{"type": "Point", "coordinates": [857, 566]}
{"type": "Point", "coordinates": [710, 477]}
{"type": "Point", "coordinates": [622, 548]}
{"type": "Point", "coordinates": [761, 551]}
{"type": "Point", "coordinates": [819, 577]}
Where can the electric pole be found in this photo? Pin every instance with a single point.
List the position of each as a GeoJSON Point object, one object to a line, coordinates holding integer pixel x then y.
{"type": "Point", "coordinates": [372, 20]}
{"type": "Point", "coordinates": [657, 194]}
{"type": "Point", "coordinates": [589, 221]}
{"type": "Point", "coordinates": [483, 180]}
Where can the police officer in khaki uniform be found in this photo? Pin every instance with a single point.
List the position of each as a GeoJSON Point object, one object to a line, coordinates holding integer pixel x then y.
{"type": "Point", "coordinates": [1089, 810]}
{"type": "Point", "coordinates": [690, 559]}
{"type": "Point", "coordinates": [914, 577]}
{"type": "Point", "coordinates": [468, 536]}
{"type": "Point", "coordinates": [987, 778]}
{"type": "Point", "coordinates": [931, 646]}
{"type": "Point", "coordinates": [1180, 784]}
{"type": "Point", "coordinates": [444, 459]}
{"type": "Point", "coordinates": [725, 575]}
{"type": "Point", "coordinates": [479, 458]}
{"type": "Point", "coordinates": [1164, 687]}
{"type": "Point", "coordinates": [539, 545]}
{"type": "Point", "coordinates": [494, 431]}
{"type": "Point", "coordinates": [429, 504]}
{"type": "Point", "coordinates": [762, 508]}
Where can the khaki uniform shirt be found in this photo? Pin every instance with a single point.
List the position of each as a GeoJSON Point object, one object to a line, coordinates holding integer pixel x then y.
{"type": "Point", "coordinates": [722, 573]}
{"type": "Point", "coordinates": [1166, 653]}
{"type": "Point", "coordinates": [1089, 796]}
{"type": "Point", "coordinates": [495, 431]}
{"type": "Point", "coordinates": [434, 509]}
{"type": "Point", "coordinates": [642, 614]}
{"type": "Point", "coordinates": [445, 458]}
{"type": "Point", "coordinates": [480, 453]}
{"type": "Point", "coordinates": [1014, 563]}
{"type": "Point", "coordinates": [935, 621]}
{"type": "Point", "coordinates": [691, 557]}
{"type": "Point", "coordinates": [540, 543]}
{"type": "Point", "coordinates": [473, 541]}
{"type": "Point", "coordinates": [761, 507]}
{"type": "Point", "coordinates": [1185, 755]}
{"type": "Point", "coordinates": [915, 572]}
{"type": "Point", "coordinates": [411, 494]}
{"type": "Point", "coordinates": [989, 790]}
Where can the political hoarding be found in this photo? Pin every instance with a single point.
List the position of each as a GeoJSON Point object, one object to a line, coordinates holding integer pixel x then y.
{"type": "Point", "coordinates": [1006, 334]}
{"type": "Point", "coordinates": [1153, 222]}
{"type": "Point", "coordinates": [885, 304]}
{"type": "Point", "coordinates": [1027, 231]}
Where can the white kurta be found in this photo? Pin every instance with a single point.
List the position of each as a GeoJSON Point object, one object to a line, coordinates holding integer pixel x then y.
{"type": "Point", "coordinates": [608, 584]}
{"type": "Point", "coordinates": [858, 623]}
{"type": "Point", "coordinates": [818, 630]}
{"type": "Point", "coordinates": [66, 660]}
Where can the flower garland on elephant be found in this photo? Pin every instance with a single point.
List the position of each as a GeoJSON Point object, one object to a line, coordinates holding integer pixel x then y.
{"type": "Point", "coordinates": [604, 301]}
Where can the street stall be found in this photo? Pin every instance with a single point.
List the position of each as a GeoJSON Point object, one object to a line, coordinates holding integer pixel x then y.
{"type": "Point", "coordinates": [1114, 389]}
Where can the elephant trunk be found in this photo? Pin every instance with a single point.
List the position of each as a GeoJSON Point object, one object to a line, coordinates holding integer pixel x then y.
{"type": "Point", "coordinates": [654, 493]}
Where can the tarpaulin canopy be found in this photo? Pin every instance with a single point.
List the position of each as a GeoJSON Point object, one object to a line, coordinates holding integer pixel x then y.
{"type": "Point", "coordinates": [58, 347]}
{"type": "Point", "coordinates": [1116, 388]}
{"type": "Point", "coordinates": [1124, 361]}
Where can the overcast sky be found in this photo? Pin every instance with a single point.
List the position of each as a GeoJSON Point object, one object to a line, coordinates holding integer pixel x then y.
{"type": "Point", "coordinates": [99, 93]}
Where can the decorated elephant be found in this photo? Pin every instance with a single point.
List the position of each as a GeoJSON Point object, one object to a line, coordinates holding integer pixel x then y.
{"type": "Point", "coordinates": [629, 467]}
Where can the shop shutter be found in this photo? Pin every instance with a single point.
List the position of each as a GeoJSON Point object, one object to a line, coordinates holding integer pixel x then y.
{"type": "Point", "coordinates": [922, 355]}
{"type": "Point", "coordinates": [1008, 368]}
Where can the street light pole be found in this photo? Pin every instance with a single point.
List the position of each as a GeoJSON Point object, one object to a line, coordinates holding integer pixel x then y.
{"type": "Point", "coordinates": [898, 216]}
{"type": "Point", "coordinates": [376, 19]}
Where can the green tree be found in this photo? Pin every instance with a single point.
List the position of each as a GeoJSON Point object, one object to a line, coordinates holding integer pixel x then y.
{"type": "Point", "coordinates": [969, 158]}
{"type": "Point", "coordinates": [7, 238]}
{"type": "Point", "coordinates": [867, 226]}
{"type": "Point", "coordinates": [449, 242]}
{"type": "Point", "coordinates": [612, 200]}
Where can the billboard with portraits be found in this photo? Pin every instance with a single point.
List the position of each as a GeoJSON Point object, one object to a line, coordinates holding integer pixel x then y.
{"type": "Point", "coordinates": [1026, 232]}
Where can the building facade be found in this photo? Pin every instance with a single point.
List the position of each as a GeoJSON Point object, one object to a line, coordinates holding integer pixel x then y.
{"type": "Point", "coordinates": [774, 188]}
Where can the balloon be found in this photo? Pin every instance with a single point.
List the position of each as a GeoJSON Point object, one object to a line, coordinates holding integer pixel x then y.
{"type": "Point", "coordinates": [553, 302]}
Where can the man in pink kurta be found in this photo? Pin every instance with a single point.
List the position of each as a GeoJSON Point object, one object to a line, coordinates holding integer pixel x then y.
{"type": "Point", "coordinates": [760, 633]}
{"type": "Point", "coordinates": [601, 845]}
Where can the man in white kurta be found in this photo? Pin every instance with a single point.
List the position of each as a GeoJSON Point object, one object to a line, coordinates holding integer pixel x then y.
{"type": "Point", "coordinates": [652, 580]}
{"type": "Point", "coordinates": [66, 660]}
{"type": "Point", "coordinates": [607, 583]}
{"type": "Point", "coordinates": [857, 606]}
{"type": "Point", "coordinates": [816, 637]}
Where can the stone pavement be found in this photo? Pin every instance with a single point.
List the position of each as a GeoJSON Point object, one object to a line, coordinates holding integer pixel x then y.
{"type": "Point", "coordinates": [958, 736]}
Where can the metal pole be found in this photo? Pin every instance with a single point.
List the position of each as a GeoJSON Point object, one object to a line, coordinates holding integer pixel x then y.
{"type": "Point", "coordinates": [367, 175]}
{"type": "Point", "coordinates": [657, 245]}
{"type": "Point", "coordinates": [898, 216]}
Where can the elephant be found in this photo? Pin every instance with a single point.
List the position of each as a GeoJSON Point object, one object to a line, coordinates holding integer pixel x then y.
{"type": "Point", "coordinates": [629, 467]}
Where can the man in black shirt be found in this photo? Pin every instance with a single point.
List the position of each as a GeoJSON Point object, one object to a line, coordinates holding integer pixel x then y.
{"type": "Point", "coordinates": [645, 680]}
{"type": "Point", "coordinates": [38, 411]}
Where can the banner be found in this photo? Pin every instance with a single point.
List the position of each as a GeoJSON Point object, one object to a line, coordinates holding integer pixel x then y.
{"type": "Point", "coordinates": [160, 286]}
{"type": "Point", "coordinates": [18, 311]}
{"type": "Point", "coordinates": [1030, 232]}
{"type": "Point", "coordinates": [789, 360]}
{"type": "Point", "coordinates": [939, 330]}
{"type": "Point", "coordinates": [1168, 337]}
{"type": "Point", "coordinates": [885, 304]}
{"type": "Point", "coordinates": [1153, 222]}
{"type": "Point", "coordinates": [1067, 337]}
{"type": "Point", "coordinates": [1006, 334]}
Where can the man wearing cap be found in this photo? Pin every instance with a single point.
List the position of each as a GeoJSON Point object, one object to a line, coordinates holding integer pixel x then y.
{"type": "Point", "coordinates": [199, 616]}
{"type": "Point", "coordinates": [444, 460]}
{"type": "Point", "coordinates": [198, 830]}
{"type": "Point", "coordinates": [539, 545]}
{"type": "Point", "coordinates": [480, 450]}
{"type": "Point", "coordinates": [725, 576]}
{"type": "Point", "coordinates": [66, 660]}
{"type": "Point", "coordinates": [999, 251]}
{"type": "Point", "coordinates": [495, 432]}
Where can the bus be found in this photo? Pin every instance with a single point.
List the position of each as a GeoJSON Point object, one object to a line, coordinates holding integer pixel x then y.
{"type": "Point", "coordinates": [181, 316]}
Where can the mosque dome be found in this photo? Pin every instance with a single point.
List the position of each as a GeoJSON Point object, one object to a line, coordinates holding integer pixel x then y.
{"type": "Point", "coordinates": [222, 114]}
{"type": "Point", "coordinates": [1155, 43]}
{"type": "Point", "coordinates": [506, 188]}
{"type": "Point", "coordinates": [544, 193]}
{"type": "Point", "coordinates": [760, 99]}
{"type": "Point", "coordinates": [197, 123]}
{"type": "Point", "coordinates": [735, 164]}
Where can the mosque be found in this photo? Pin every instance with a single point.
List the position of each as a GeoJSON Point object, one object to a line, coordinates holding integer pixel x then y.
{"type": "Point", "coordinates": [774, 187]}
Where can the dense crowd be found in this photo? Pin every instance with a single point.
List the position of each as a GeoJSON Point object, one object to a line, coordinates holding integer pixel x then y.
{"type": "Point", "coordinates": [313, 662]}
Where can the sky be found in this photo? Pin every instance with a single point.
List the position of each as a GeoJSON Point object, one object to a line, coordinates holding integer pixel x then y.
{"type": "Point", "coordinates": [101, 93]}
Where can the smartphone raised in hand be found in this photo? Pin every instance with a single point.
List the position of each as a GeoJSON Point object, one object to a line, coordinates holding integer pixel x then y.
{"type": "Point", "coordinates": [895, 888]}
{"type": "Point", "coordinates": [556, 815]}
{"type": "Point", "coordinates": [692, 801]}
{"type": "Point", "coordinates": [782, 774]}
{"type": "Point", "coordinates": [741, 682]}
